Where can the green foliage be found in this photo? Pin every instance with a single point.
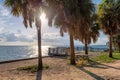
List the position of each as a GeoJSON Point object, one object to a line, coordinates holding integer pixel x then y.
{"type": "Point", "coordinates": [105, 58]}
{"type": "Point", "coordinates": [109, 19]}
{"type": "Point", "coordinates": [116, 42]}
{"type": "Point", "coordinates": [109, 16]}
{"type": "Point", "coordinates": [32, 68]}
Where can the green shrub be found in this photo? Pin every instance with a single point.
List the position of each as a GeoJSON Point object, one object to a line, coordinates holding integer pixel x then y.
{"type": "Point", "coordinates": [32, 68]}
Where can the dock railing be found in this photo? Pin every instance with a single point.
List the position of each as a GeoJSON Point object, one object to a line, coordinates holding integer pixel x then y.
{"type": "Point", "coordinates": [58, 51]}
{"type": "Point", "coordinates": [66, 50]}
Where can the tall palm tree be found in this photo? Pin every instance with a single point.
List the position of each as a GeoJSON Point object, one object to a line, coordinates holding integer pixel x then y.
{"type": "Point", "coordinates": [30, 11]}
{"type": "Point", "coordinates": [86, 27]}
{"type": "Point", "coordinates": [70, 16]}
{"type": "Point", "coordinates": [62, 20]}
{"type": "Point", "coordinates": [116, 42]}
{"type": "Point", "coordinates": [107, 20]}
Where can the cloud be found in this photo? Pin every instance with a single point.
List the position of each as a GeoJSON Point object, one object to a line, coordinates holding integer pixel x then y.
{"type": "Point", "coordinates": [15, 37]}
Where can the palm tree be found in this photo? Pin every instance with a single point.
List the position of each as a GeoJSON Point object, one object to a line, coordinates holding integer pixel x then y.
{"type": "Point", "coordinates": [71, 16]}
{"type": "Point", "coordinates": [30, 10]}
{"type": "Point", "coordinates": [86, 27]}
{"type": "Point", "coordinates": [92, 36]}
{"type": "Point", "coordinates": [57, 11]}
{"type": "Point", "coordinates": [107, 20]}
{"type": "Point", "coordinates": [116, 42]}
{"type": "Point", "coordinates": [116, 8]}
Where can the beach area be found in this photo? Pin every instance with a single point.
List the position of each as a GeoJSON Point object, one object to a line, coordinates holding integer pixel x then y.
{"type": "Point", "coordinates": [59, 39]}
{"type": "Point", "coordinates": [60, 69]}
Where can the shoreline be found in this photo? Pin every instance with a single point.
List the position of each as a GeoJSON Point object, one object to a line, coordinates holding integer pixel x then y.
{"type": "Point", "coordinates": [15, 60]}
{"type": "Point", "coordinates": [60, 70]}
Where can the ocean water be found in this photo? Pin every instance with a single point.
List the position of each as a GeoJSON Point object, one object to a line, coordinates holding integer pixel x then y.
{"type": "Point", "coordinates": [21, 52]}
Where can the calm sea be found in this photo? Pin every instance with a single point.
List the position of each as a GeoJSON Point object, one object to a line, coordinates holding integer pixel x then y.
{"type": "Point", "coordinates": [21, 52]}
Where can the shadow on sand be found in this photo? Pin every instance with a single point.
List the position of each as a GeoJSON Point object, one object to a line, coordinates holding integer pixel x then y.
{"type": "Point", "coordinates": [97, 65]}
{"type": "Point", "coordinates": [92, 74]}
{"type": "Point", "coordinates": [39, 75]}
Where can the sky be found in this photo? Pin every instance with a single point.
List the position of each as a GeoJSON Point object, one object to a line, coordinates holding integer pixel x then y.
{"type": "Point", "coordinates": [13, 32]}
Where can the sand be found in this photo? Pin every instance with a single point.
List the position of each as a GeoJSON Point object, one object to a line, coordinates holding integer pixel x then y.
{"type": "Point", "coordinates": [60, 70]}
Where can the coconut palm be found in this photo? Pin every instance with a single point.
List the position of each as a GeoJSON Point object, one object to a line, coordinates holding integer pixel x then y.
{"type": "Point", "coordinates": [30, 11]}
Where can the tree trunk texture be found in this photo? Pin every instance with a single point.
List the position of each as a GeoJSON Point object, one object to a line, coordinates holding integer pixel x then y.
{"type": "Point", "coordinates": [119, 47]}
{"type": "Point", "coordinates": [86, 47]}
{"type": "Point", "coordinates": [39, 51]}
{"type": "Point", "coordinates": [110, 47]}
{"type": "Point", "coordinates": [72, 60]}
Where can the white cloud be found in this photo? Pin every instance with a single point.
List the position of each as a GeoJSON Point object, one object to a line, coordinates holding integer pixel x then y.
{"type": "Point", "coordinates": [14, 37]}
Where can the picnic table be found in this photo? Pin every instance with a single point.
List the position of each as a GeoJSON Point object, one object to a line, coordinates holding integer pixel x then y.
{"type": "Point", "coordinates": [82, 56]}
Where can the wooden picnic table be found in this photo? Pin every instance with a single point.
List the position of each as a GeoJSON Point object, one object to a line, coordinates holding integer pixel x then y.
{"type": "Point", "coordinates": [82, 56]}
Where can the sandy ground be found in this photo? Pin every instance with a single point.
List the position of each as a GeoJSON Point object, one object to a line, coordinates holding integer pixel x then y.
{"type": "Point", "coordinates": [60, 70]}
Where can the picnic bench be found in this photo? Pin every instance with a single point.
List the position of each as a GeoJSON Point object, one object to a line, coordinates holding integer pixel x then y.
{"type": "Point", "coordinates": [81, 56]}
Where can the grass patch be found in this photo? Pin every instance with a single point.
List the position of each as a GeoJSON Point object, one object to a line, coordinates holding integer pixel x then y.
{"type": "Point", "coordinates": [32, 68]}
{"type": "Point", "coordinates": [104, 57]}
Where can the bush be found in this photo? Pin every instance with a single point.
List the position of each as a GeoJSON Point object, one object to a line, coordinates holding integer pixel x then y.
{"type": "Point", "coordinates": [32, 68]}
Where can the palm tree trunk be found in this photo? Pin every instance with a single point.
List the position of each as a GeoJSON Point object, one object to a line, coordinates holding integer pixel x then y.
{"type": "Point", "coordinates": [119, 48]}
{"type": "Point", "coordinates": [72, 60]}
{"type": "Point", "coordinates": [110, 46]}
{"type": "Point", "coordinates": [39, 50]}
{"type": "Point", "coordinates": [86, 47]}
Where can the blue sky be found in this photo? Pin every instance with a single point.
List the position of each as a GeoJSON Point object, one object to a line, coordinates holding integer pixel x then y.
{"type": "Point", "coordinates": [13, 32]}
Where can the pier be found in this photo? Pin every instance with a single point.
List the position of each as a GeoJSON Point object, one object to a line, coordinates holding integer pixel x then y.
{"type": "Point", "coordinates": [63, 51]}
